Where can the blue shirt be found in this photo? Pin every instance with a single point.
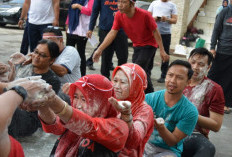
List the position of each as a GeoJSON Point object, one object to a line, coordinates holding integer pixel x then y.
{"type": "Point", "coordinates": [183, 115]}
{"type": "Point", "coordinates": [106, 8]}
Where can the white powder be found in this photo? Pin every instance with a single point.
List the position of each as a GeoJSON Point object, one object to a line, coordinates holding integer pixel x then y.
{"type": "Point", "coordinates": [160, 120]}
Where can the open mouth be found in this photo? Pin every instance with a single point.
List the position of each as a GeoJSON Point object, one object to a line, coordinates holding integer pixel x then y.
{"type": "Point", "coordinates": [171, 87]}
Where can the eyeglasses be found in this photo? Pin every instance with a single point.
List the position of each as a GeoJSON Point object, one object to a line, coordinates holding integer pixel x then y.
{"type": "Point", "coordinates": [40, 54]}
{"type": "Point", "coordinates": [53, 27]}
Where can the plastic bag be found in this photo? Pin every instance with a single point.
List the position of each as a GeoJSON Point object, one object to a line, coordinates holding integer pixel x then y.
{"type": "Point", "coordinates": [200, 43]}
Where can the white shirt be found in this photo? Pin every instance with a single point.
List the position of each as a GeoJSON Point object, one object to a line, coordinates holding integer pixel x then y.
{"type": "Point", "coordinates": [70, 59]}
{"type": "Point", "coordinates": [159, 8]}
{"type": "Point", "coordinates": [41, 12]}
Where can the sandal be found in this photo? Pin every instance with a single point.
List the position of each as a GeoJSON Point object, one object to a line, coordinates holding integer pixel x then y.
{"type": "Point", "coordinates": [227, 110]}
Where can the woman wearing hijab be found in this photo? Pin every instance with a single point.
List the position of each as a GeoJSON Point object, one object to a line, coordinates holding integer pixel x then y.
{"type": "Point", "coordinates": [89, 127]}
{"type": "Point", "coordinates": [78, 24]}
{"type": "Point", "coordinates": [224, 4]}
{"type": "Point", "coordinates": [129, 82]}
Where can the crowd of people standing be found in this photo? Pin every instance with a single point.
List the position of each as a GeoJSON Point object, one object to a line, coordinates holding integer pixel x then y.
{"type": "Point", "coordinates": [118, 115]}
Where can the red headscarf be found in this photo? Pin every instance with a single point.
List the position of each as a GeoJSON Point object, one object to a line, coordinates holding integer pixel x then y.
{"type": "Point", "coordinates": [137, 81]}
{"type": "Point", "coordinates": [96, 90]}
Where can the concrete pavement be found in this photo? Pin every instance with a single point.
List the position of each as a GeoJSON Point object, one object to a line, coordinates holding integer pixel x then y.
{"type": "Point", "coordinates": [40, 143]}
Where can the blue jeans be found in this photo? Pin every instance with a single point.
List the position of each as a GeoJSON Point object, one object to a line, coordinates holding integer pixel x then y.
{"type": "Point", "coordinates": [35, 33]}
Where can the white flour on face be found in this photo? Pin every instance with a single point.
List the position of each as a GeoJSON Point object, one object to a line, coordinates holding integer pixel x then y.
{"type": "Point", "coordinates": [202, 72]}
{"type": "Point", "coordinates": [198, 93]}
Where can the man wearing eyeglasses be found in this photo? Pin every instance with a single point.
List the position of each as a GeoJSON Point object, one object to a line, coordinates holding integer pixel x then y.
{"type": "Point", "coordinates": [41, 13]}
{"type": "Point", "coordinates": [26, 123]}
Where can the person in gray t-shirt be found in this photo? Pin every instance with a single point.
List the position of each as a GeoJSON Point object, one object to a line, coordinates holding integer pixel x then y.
{"type": "Point", "coordinates": [67, 65]}
{"type": "Point", "coordinates": [165, 14]}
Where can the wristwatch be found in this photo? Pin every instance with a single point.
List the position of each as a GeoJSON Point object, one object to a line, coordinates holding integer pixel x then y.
{"type": "Point", "coordinates": [20, 90]}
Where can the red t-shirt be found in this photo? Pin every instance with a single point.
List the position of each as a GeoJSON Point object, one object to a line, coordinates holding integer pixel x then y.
{"type": "Point", "coordinates": [140, 132]}
{"type": "Point", "coordinates": [15, 148]}
{"type": "Point", "coordinates": [140, 28]}
{"type": "Point", "coordinates": [207, 96]}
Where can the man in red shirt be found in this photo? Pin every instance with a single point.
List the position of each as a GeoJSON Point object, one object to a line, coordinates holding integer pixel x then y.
{"type": "Point", "coordinates": [208, 97]}
{"type": "Point", "coordinates": [141, 28]}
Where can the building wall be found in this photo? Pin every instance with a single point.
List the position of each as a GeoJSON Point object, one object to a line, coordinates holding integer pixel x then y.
{"type": "Point", "coordinates": [180, 27]}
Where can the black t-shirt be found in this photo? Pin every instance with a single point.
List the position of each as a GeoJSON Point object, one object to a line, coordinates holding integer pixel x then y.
{"type": "Point", "coordinates": [51, 78]}
{"type": "Point", "coordinates": [89, 148]}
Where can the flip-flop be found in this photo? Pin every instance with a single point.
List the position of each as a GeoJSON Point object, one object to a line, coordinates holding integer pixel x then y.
{"type": "Point", "coordinates": [227, 111]}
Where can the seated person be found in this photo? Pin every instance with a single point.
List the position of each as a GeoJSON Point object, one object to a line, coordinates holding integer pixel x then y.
{"type": "Point", "coordinates": [208, 97]}
{"type": "Point", "coordinates": [43, 57]}
{"type": "Point", "coordinates": [129, 82]}
{"type": "Point", "coordinates": [89, 127]}
{"type": "Point", "coordinates": [26, 123]}
{"type": "Point", "coordinates": [179, 115]}
{"type": "Point", "coordinates": [67, 65]}
{"type": "Point", "coordinates": [19, 92]}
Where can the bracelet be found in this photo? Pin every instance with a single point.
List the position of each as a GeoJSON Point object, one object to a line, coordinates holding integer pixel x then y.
{"type": "Point", "coordinates": [61, 113]}
{"type": "Point", "coordinates": [21, 18]}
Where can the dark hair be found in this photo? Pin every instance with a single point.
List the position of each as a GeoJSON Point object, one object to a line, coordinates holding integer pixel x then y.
{"type": "Point", "coordinates": [185, 64]}
{"type": "Point", "coordinates": [55, 30]}
{"type": "Point", "coordinates": [53, 48]}
{"type": "Point", "coordinates": [202, 52]}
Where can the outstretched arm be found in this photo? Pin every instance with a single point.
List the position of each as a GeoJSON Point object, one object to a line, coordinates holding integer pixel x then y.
{"type": "Point", "coordinates": [107, 41]}
{"type": "Point", "coordinates": [158, 39]}
{"type": "Point", "coordinates": [9, 101]}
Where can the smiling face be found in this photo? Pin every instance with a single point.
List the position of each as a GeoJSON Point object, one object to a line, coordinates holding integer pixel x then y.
{"type": "Point", "coordinates": [121, 85]}
{"type": "Point", "coordinates": [41, 58]}
{"type": "Point", "coordinates": [199, 65]}
{"type": "Point", "coordinates": [176, 79]}
{"type": "Point", "coordinates": [80, 103]}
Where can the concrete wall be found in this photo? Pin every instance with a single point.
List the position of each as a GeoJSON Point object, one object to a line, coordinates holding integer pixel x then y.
{"type": "Point", "coordinates": [180, 27]}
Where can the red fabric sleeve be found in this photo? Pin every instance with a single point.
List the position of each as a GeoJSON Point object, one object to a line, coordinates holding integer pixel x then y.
{"type": "Point", "coordinates": [150, 23]}
{"type": "Point", "coordinates": [116, 23]}
{"type": "Point", "coordinates": [217, 102]}
{"type": "Point", "coordinates": [110, 132]}
{"type": "Point", "coordinates": [87, 10]}
{"type": "Point", "coordinates": [57, 128]}
{"type": "Point", "coordinates": [142, 128]}
{"type": "Point", "coordinates": [15, 148]}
